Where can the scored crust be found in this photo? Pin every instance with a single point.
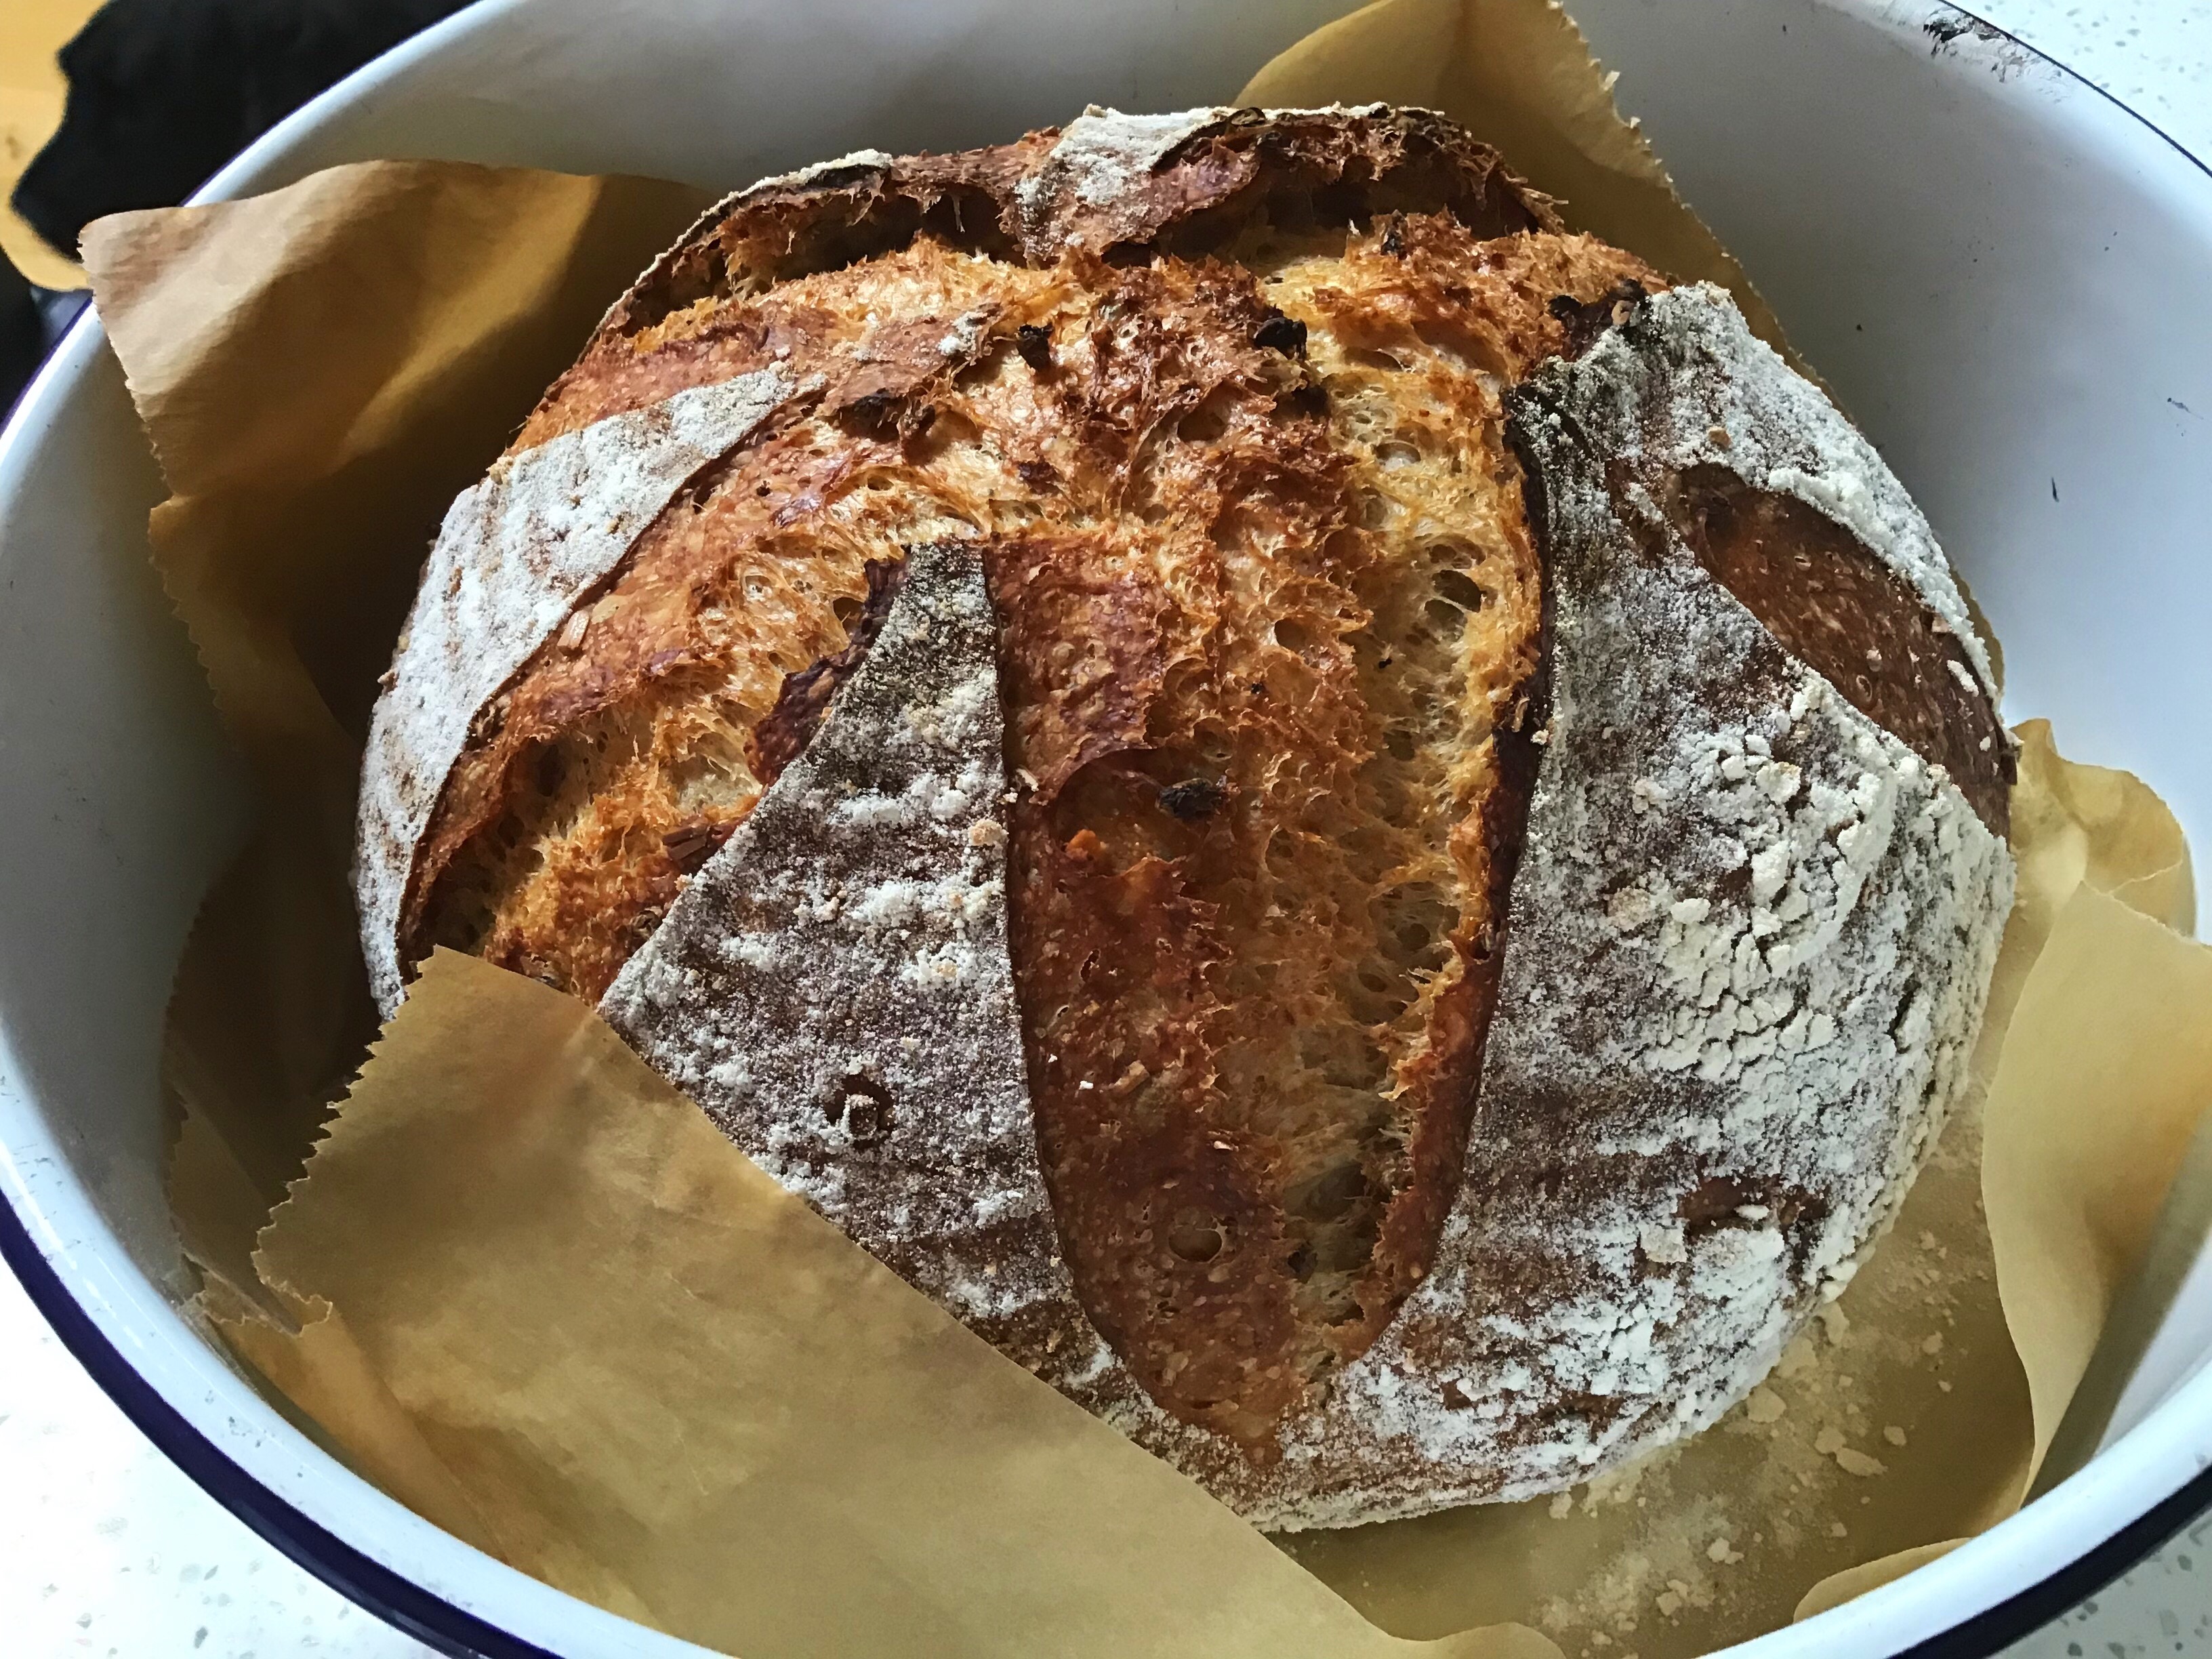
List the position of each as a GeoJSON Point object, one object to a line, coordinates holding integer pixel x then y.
{"type": "Point", "coordinates": [835, 987]}
{"type": "Point", "coordinates": [1217, 405]}
{"type": "Point", "coordinates": [1267, 584]}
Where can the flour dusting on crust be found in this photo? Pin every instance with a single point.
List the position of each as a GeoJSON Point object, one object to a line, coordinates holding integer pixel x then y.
{"type": "Point", "coordinates": [856, 164]}
{"type": "Point", "coordinates": [1102, 158]}
{"type": "Point", "coordinates": [513, 555]}
{"type": "Point", "coordinates": [1751, 938]}
{"type": "Point", "coordinates": [835, 987]}
{"type": "Point", "coordinates": [1748, 939]}
{"type": "Point", "coordinates": [1102, 151]}
{"type": "Point", "coordinates": [1778, 431]}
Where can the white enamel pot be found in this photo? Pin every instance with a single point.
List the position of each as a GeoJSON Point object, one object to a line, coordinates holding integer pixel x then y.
{"type": "Point", "coordinates": [1998, 268]}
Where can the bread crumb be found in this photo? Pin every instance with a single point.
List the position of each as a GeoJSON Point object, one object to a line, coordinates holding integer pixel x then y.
{"type": "Point", "coordinates": [1895, 1435]}
{"type": "Point", "coordinates": [1766, 1406]}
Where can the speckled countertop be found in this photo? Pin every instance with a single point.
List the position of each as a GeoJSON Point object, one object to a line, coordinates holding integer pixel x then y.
{"type": "Point", "coordinates": [107, 1551]}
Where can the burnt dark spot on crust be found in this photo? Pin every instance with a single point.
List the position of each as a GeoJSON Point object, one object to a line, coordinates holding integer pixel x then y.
{"type": "Point", "coordinates": [1836, 607]}
{"type": "Point", "coordinates": [1192, 799]}
{"type": "Point", "coordinates": [1033, 341]}
{"type": "Point", "coordinates": [875, 414]}
{"type": "Point", "coordinates": [694, 843]}
{"type": "Point", "coordinates": [1308, 400]}
{"type": "Point", "coordinates": [1279, 333]}
{"type": "Point", "coordinates": [1585, 322]}
{"type": "Point", "coordinates": [871, 410]}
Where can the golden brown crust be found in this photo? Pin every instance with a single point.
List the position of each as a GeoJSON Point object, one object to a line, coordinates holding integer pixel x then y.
{"type": "Point", "coordinates": [1293, 171]}
{"type": "Point", "coordinates": [1268, 599]}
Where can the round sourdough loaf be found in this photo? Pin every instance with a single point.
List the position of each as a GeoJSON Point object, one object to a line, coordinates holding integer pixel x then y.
{"type": "Point", "coordinates": [1370, 839]}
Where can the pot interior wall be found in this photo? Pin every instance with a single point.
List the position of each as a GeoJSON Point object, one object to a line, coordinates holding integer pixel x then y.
{"type": "Point", "coordinates": [1992, 267]}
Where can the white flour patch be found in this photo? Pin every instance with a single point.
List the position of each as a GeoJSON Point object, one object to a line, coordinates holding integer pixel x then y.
{"type": "Point", "coordinates": [1100, 156]}
{"type": "Point", "coordinates": [835, 987]}
{"type": "Point", "coordinates": [514, 553]}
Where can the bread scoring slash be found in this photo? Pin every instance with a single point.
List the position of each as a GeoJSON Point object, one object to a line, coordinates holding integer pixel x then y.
{"type": "Point", "coordinates": [1369, 838]}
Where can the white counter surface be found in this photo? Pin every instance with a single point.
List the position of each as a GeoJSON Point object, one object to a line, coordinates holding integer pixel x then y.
{"type": "Point", "coordinates": [107, 1551]}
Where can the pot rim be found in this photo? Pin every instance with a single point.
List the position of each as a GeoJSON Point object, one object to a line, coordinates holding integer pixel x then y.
{"type": "Point", "coordinates": [239, 1449]}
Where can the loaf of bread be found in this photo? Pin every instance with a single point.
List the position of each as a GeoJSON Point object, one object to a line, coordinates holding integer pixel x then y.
{"type": "Point", "coordinates": [1367, 836]}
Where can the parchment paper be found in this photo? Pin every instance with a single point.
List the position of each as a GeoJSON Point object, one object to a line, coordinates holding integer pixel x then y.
{"type": "Point", "coordinates": [581, 1329]}
{"type": "Point", "coordinates": [531, 1293]}
{"type": "Point", "coordinates": [659, 1381]}
{"type": "Point", "coordinates": [322, 370]}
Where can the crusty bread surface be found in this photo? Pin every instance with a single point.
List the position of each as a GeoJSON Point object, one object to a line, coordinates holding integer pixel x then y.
{"type": "Point", "coordinates": [1269, 438]}
{"type": "Point", "coordinates": [1268, 590]}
